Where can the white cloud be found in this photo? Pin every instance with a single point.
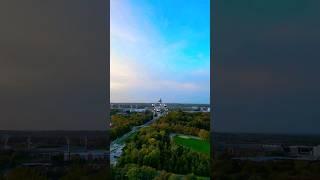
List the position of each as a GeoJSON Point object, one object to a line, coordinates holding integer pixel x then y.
{"type": "Point", "coordinates": [142, 61]}
{"type": "Point", "coordinates": [127, 77]}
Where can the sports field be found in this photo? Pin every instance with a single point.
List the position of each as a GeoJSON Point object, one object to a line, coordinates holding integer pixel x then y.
{"type": "Point", "coordinates": [195, 144]}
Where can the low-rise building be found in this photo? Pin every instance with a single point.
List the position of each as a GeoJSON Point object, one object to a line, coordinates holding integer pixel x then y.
{"type": "Point", "coordinates": [299, 150]}
{"type": "Point", "coordinates": [87, 155]}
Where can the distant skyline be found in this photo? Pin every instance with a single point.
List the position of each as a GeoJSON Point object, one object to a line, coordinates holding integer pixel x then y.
{"type": "Point", "coordinates": [160, 49]}
{"type": "Point", "coordinates": [156, 102]}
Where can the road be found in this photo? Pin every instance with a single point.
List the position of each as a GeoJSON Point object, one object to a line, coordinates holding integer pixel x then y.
{"type": "Point", "coordinates": [118, 144]}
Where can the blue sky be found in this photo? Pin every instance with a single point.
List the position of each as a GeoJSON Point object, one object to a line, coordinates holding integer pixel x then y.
{"type": "Point", "coordinates": [160, 49]}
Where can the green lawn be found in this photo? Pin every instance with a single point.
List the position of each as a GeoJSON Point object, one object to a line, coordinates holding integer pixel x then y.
{"type": "Point", "coordinates": [194, 144]}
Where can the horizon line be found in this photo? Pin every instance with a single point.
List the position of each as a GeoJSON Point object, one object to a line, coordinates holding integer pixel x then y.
{"type": "Point", "coordinates": [157, 101]}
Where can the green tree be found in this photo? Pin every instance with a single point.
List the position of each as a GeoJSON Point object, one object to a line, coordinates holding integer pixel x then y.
{"type": "Point", "coordinates": [163, 176]}
{"type": "Point", "coordinates": [190, 177]}
{"type": "Point", "coordinates": [204, 134]}
{"type": "Point", "coordinates": [25, 174]}
{"type": "Point", "coordinates": [137, 173]}
{"type": "Point", "coordinates": [174, 177]}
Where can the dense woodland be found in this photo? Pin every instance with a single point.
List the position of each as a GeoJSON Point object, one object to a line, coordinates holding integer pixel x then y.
{"type": "Point", "coordinates": [227, 169]}
{"type": "Point", "coordinates": [135, 172]}
{"type": "Point", "coordinates": [196, 124]}
{"type": "Point", "coordinates": [151, 153]}
{"type": "Point", "coordinates": [122, 123]}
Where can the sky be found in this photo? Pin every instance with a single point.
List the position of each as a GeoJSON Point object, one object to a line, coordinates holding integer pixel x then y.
{"type": "Point", "coordinates": [266, 70]}
{"type": "Point", "coordinates": [160, 49]}
{"type": "Point", "coordinates": [52, 65]}
{"type": "Point", "coordinates": [266, 62]}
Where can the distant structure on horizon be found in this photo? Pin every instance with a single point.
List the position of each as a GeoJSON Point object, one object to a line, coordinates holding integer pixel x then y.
{"type": "Point", "coordinates": [160, 107]}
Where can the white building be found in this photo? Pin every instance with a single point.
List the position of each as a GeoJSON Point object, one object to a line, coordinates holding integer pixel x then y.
{"type": "Point", "coordinates": [301, 150]}
{"type": "Point", "coordinates": [316, 151]}
{"type": "Point", "coordinates": [138, 110]}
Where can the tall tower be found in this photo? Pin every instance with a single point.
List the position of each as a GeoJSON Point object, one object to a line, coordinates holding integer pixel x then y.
{"type": "Point", "coordinates": [160, 108]}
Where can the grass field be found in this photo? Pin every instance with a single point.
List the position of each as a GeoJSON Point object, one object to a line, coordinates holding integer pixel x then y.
{"type": "Point", "coordinates": [194, 144]}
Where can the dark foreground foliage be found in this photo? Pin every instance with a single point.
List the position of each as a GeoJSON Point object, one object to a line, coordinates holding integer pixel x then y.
{"type": "Point", "coordinates": [226, 169]}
